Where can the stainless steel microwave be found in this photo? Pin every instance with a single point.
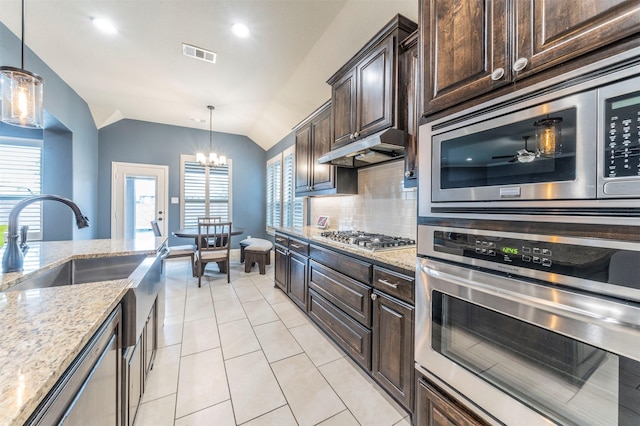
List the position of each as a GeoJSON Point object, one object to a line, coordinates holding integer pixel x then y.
{"type": "Point", "coordinates": [573, 151]}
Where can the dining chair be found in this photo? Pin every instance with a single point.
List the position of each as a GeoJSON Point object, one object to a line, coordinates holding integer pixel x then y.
{"type": "Point", "coordinates": [176, 251]}
{"type": "Point", "coordinates": [214, 242]}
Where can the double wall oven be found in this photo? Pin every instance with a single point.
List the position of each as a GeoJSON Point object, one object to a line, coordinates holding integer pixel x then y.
{"type": "Point", "coordinates": [528, 271]}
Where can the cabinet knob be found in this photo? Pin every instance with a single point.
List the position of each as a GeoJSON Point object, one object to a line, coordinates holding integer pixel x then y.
{"type": "Point", "coordinates": [497, 74]}
{"type": "Point", "coordinates": [408, 173]}
{"type": "Point", "coordinates": [374, 296]}
{"type": "Point", "coordinates": [356, 134]}
{"type": "Point", "coordinates": [351, 136]}
{"type": "Point", "coordinates": [520, 64]}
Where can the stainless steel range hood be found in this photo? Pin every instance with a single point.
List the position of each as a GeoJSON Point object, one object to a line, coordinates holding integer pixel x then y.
{"type": "Point", "coordinates": [382, 146]}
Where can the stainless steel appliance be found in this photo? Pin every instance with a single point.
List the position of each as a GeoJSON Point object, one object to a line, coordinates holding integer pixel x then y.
{"type": "Point", "coordinates": [530, 328]}
{"type": "Point", "coordinates": [368, 241]}
{"type": "Point", "coordinates": [568, 151]}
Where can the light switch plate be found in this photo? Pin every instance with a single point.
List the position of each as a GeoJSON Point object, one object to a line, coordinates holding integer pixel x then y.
{"type": "Point", "coordinates": [175, 200]}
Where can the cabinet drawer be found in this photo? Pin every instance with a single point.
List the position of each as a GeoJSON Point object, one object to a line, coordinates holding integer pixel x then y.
{"type": "Point", "coordinates": [346, 265]}
{"type": "Point", "coordinates": [282, 240]}
{"type": "Point", "coordinates": [350, 335]}
{"type": "Point", "coordinates": [347, 294]}
{"type": "Point", "coordinates": [298, 246]}
{"type": "Point", "coordinates": [395, 284]}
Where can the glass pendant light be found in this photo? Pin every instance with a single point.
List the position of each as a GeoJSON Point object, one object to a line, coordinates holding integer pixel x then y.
{"type": "Point", "coordinates": [212, 160]}
{"type": "Point", "coordinates": [21, 93]}
{"type": "Point", "coordinates": [548, 136]}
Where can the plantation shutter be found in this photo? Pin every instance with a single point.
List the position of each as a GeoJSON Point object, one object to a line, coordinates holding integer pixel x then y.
{"type": "Point", "coordinates": [20, 178]}
{"type": "Point", "coordinates": [205, 192]}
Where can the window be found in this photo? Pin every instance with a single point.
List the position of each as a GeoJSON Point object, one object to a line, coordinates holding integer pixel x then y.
{"type": "Point", "coordinates": [20, 178]}
{"type": "Point", "coordinates": [283, 208]}
{"type": "Point", "coordinates": [205, 191]}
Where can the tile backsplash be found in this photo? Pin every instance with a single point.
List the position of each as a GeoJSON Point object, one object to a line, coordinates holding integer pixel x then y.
{"type": "Point", "coordinates": [382, 204]}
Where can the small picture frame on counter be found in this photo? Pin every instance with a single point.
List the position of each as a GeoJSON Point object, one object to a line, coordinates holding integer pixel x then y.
{"type": "Point", "coordinates": [322, 222]}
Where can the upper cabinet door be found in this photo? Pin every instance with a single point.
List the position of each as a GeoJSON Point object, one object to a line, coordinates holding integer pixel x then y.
{"type": "Point", "coordinates": [376, 86]}
{"type": "Point", "coordinates": [343, 102]}
{"type": "Point", "coordinates": [322, 174]}
{"type": "Point", "coordinates": [550, 32]}
{"type": "Point", "coordinates": [465, 50]}
{"type": "Point", "coordinates": [303, 153]}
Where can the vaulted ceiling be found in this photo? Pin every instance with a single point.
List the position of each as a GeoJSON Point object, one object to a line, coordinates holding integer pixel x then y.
{"type": "Point", "coordinates": [261, 86]}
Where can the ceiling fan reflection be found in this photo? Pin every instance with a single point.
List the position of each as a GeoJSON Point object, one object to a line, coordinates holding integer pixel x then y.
{"type": "Point", "coordinates": [521, 155]}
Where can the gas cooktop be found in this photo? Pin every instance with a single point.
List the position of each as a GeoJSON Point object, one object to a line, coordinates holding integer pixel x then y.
{"type": "Point", "coordinates": [367, 240]}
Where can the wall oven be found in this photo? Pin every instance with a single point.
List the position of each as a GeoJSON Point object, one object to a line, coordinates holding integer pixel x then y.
{"type": "Point", "coordinates": [570, 150]}
{"type": "Point", "coordinates": [530, 328]}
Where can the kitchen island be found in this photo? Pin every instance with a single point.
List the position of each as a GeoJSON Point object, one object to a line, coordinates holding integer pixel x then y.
{"type": "Point", "coordinates": [43, 330]}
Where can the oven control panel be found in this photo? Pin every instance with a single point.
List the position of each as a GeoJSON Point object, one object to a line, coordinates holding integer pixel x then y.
{"type": "Point", "coordinates": [601, 260]}
{"type": "Point", "coordinates": [622, 139]}
{"type": "Point", "coordinates": [525, 252]}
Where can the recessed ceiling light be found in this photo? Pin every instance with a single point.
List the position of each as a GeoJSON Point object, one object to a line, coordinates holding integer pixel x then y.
{"type": "Point", "coordinates": [197, 120]}
{"type": "Point", "coordinates": [240, 30]}
{"type": "Point", "coordinates": [104, 25]}
{"type": "Point", "coordinates": [469, 159]}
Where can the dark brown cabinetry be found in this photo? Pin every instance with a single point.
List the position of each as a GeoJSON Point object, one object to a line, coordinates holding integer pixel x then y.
{"type": "Point", "coordinates": [410, 85]}
{"type": "Point", "coordinates": [364, 92]}
{"type": "Point", "coordinates": [313, 139]}
{"type": "Point", "coordinates": [435, 408]}
{"type": "Point", "coordinates": [471, 48]}
{"type": "Point", "coordinates": [393, 329]}
{"type": "Point", "coordinates": [138, 361]}
{"type": "Point", "coordinates": [366, 309]}
{"type": "Point", "coordinates": [281, 262]}
{"type": "Point", "coordinates": [291, 268]}
{"type": "Point", "coordinates": [298, 267]}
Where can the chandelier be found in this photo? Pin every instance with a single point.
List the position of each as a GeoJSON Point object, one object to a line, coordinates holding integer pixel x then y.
{"type": "Point", "coordinates": [21, 94]}
{"type": "Point", "coordinates": [212, 160]}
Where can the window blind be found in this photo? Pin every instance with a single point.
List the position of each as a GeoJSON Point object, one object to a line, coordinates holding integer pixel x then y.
{"type": "Point", "coordinates": [205, 192]}
{"type": "Point", "coordinates": [283, 208]}
{"type": "Point", "coordinates": [20, 178]}
{"type": "Point", "coordinates": [274, 192]}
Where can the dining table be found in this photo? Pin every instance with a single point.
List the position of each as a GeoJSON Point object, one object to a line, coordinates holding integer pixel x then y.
{"type": "Point", "coordinates": [192, 232]}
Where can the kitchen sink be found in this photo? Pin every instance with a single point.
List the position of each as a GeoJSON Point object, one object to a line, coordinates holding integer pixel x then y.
{"type": "Point", "coordinates": [84, 270]}
{"type": "Point", "coordinates": [145, 272]}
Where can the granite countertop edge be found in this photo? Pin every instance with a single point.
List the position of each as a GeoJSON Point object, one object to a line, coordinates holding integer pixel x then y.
{"type": "Point", "coordinates": [404, 258]}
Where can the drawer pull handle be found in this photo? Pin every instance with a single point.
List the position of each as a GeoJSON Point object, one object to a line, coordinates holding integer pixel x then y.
{"type": "Point", "coordinates": [385, 282]}
{"type": "Point", "coordinates": [296, 246]}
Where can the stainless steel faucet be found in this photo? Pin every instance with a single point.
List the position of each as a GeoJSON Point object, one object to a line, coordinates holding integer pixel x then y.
{"type": "Point", "coordinates": [13, 258]}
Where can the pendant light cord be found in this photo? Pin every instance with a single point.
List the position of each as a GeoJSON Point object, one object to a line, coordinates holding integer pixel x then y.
{"type": "Point", "coordinates": [211, 108]}
{"type": "Point", "coordinates": [22, 62]}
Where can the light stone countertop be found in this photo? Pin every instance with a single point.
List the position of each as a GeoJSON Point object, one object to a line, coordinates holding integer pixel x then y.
{"type": "Point", "coordinates": [47, 255]}
{"type": "Point", "coordinates": [401, 258]}
{"type": "Point", "coordinates": [43, 330]}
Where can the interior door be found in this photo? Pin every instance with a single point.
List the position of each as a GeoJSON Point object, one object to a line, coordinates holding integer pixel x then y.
{"type": "Point", "coordinates": [139, 195]}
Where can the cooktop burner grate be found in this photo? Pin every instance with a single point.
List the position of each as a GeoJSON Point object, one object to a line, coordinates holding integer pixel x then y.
{"type": "Point", "coordinates": [368, 241]}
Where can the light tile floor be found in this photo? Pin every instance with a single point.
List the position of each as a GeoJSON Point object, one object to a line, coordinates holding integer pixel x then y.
{"type": "Point", "coordinates": [244, 354]}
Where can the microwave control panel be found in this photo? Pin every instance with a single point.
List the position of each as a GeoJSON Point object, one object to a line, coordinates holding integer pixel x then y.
{"type": "Point", "coordinates": [622, 138]}
{"type": "Point", "coordinates": [587, 261]}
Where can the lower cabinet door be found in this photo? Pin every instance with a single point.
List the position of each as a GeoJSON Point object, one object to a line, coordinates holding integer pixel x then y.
{"type": "Point", "coordinates": [150, 339]}
{"type": "Point", "coordinates": [281, 268]}
{"type": "Point", "coordinates": [298, 279]}
{"type": "Point", "coordinates": [434, 408]}
{"type": "Point", "coordinates": [134, 382]}
{"type": "Point", "coordinates": [392, 347]}
{"type": "Point", "coordinates": [350, 335]}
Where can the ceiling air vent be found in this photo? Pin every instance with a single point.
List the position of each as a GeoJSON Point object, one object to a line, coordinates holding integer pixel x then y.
{"type": "Point", "coordinates": [198, 53]}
